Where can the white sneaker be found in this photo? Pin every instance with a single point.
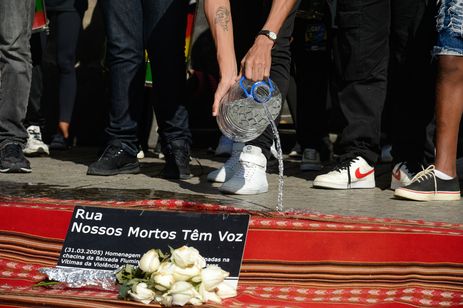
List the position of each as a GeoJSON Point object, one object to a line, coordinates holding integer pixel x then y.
{"type": "Point", "coordinates": [354, 173]}
{"type": "Point", "coordinates": [402, 175]}
{"type": "Point", "coordinates": [225, 172]}
{"type": "Point", "coordinates": [140, 154]}
{"type": "Point", "coordinates": [225, 146]}
{"type": "Point", "coordinates": [35, 145]}
{"type": "Point", "coordinates": [296, 151]}
{"type": "Point", "coordinates": [250, 177]}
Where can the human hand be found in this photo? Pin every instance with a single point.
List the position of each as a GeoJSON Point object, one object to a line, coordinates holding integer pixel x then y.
{"type": "Point", "coordinates": [257, 62]}
{"type": "Point", "coordinates": [224, 85]}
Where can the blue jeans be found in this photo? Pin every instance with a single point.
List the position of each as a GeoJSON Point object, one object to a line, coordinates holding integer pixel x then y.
{"type": "Point", "coordinates": [450, 28]}
{"type": "Point", "coordinates": [159, 26]}
{"type": "Point", "coordinates": [15, 68]}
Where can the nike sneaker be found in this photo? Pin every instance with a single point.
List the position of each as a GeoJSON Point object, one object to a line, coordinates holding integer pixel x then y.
{"type": "Point", "coordinates": [349, 174]}
{"type": "Point", "coordinates": [427, 186]}
{"type": "Point", "coordinates": [403, 173]}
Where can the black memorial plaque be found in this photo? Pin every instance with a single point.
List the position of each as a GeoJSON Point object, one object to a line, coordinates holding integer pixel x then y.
{"type": "Point", "coordinates": [106, 238]}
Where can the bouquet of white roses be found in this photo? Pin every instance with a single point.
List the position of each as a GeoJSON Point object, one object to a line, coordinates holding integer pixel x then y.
{"type": "Point", "coordinates": [176, 279]}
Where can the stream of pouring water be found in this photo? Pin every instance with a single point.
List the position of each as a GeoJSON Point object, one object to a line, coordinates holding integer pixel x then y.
{"type": "Point", "coordinates": [279, 207]}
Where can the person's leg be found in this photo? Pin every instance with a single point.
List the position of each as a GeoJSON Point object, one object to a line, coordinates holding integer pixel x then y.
{"type": "Point", "coordinates": [449, 108]}
{"type": "Point", "coordinates": [125, 57]}
{"type": "Point", "coordinates": [15, 81]}
{"type": "Point", "coordinates": [165, 26]}
{"type": "Point", "coordinates": [35, 121]}
{"type": "Point", "coordinates": [248, 174]}
{"type": "Point", "coordinates": [311, 60]}
{"type": "Point", "coordinates": [411, 86]}
{"type": "Point", "coordinates": [279, 73]}
{"type": "Point", "coordinates": [364, 54]}
{"type": "Point", "coordinates": [34, 115]}
{"type": "Point", "coordinates": [68, 26]}
{"type": "Point", "coordinates": [15, 67]}
{"type": "Point", "coordinates": [361, 55]}
{"type": "Point", "coordinates": [439, 182]}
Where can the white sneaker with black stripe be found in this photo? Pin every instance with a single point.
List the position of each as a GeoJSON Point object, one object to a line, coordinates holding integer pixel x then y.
{"type": "Point", "coordinates": [349, 174]}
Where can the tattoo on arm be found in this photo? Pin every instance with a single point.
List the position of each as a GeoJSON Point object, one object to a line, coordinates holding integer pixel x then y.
{"type": "Point", "coordinates": [222, 17]}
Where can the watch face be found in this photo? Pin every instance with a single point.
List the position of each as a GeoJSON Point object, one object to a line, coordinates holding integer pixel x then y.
{"type": "Point", "coordinates": [272, 35]}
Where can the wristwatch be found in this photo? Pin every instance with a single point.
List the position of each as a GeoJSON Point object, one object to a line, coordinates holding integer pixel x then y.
{"type": "Point", "coordinates": [271, 35]}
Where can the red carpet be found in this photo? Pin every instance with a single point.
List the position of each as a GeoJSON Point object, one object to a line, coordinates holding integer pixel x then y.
{"type": "Point", "coordinates": [290, 260]}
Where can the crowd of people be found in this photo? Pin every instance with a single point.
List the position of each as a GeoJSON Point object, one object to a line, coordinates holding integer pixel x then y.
{"type": "Point", "coordinates": [381, 64]}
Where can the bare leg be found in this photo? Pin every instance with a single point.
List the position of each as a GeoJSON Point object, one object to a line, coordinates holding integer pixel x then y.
{"type": "Point", "coordinates": [64, 129]}
{"type": "Point", "coordinates": [449, 108]}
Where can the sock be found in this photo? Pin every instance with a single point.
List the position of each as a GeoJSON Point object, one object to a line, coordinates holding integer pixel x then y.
{"type": "Point", "coordinates": [441, 175]}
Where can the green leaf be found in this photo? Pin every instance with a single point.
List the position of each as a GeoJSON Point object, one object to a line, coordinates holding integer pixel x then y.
{"type": "Point", "coordinates": [46, 283]}
{"type": "Point", "coordinates": [124, 290]}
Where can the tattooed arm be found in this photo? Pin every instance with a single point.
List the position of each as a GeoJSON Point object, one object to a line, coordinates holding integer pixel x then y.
{"type": "Point", "coordinates": [220, 21]}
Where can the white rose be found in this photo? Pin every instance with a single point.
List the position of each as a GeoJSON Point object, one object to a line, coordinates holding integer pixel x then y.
{"type": "Point", "coordinates": [225, 290]}
{"type": "Point", "coordinates": [187, 256]}
{"type": "Point", "coordinates": [164, 299]}
{"type": "Point", "coordinates": [163, 281]}
{"type": "Point", "coordinates": [165, 268]}
{"type": "Point", "coordinates": [196, 301]}
{"type": "Point", "coordinates": [184, 274]}
{"type": "Point", "coordinates": [182, 292]}
{"type": "Point", "coordinates": [149, 262]}
{"type": "Point", "coordinates": [209, 296]}
{"type": "Point", "coordinates": [141, 293]}
{"type": "Point", "coordinates": [212, 276]}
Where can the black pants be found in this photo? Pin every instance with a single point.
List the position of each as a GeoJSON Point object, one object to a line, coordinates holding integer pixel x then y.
{"type": "Point", "coordinates": [361, 54]}
{"type": "Point", "coordinates": [65, 27]}
{"type": "Point", "coordinates": [411, 80]}
{"type": "Point", "coordinates": [366, 30]}
{"type": "Point", "coordinates": [311, 73]}
{"type": "Point", "coordinates": [159, 26]}
{"type": "Point", "coordinates": [34, 115]}
{"type": "Point", "coordinates": [248, 19]}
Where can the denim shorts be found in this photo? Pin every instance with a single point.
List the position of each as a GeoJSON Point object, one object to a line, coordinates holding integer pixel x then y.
{"type": "Point", "coordinates": [450, 28]}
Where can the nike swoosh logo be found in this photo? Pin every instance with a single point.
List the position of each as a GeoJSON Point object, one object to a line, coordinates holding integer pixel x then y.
{"type": "Point", "coordinates": [396, 174]}
{"type": "Point", "coordinates": [360, 175]}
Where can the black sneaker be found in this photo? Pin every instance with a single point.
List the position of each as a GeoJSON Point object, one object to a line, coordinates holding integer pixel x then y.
{"type": "Point", "coordinates": [59, 143]}
{"type": "Point", "coordinates": [310, 160]}
{"type": "Point", "coordinates": [12, 159]}
{"type": "Point", "coordinates": [426, 186]}
{"type": "Point", "coordinates": [114, 160]}
{"type": "Point", "coordinates": [177, 156]}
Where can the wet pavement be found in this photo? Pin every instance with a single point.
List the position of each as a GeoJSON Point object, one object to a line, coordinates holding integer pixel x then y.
{"type": "Point", "coordinates": [62, 176]}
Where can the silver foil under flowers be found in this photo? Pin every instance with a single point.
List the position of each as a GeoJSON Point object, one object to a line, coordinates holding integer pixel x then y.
{"type": "Point", "coordinates": [79, 278]}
